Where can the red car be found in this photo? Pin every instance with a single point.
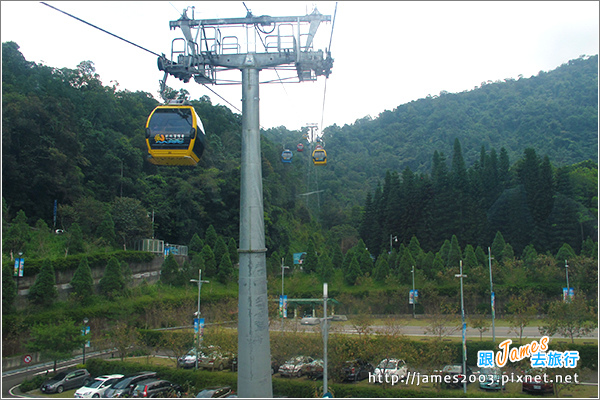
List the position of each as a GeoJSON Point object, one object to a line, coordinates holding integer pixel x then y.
{"type": "Point", "coordinates": [537, 381]}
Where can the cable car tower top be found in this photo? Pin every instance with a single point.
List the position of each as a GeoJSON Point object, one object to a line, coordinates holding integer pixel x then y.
{"type": "Point", "coordinates": [271, 42]}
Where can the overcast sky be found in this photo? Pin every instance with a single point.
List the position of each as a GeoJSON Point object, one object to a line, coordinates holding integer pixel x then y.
{"type": "Point", "coordinates": [385, 53]}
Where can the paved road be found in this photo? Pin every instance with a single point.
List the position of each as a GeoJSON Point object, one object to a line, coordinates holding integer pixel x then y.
{"type": "Point", "coordinates": [10, 379]}
{"type": "Point", "coordinates": [502, 332]}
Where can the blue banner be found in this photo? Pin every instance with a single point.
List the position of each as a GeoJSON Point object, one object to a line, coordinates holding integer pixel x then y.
{"type": "Point", "coordinates": [413, 296]}
{"type": "Point", "coordinates": [299, 258]}
{"type": "Point", "coordinates": [493, 304]}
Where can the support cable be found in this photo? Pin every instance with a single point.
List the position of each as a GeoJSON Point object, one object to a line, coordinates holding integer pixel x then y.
{"type": "Point", "coordinates": [163, 82]}
{"type": "Point", "coordinates": [329, 50]}
{"type": "Point", "coordinates": [103, 30]}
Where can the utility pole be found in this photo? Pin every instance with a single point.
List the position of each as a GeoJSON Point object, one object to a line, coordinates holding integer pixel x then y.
{"type": "Point", "coordinates": [492, 297]}
{"type": "Point", "coordinates": [464, 328]}
{"type": "Point", "coordinates": [283, 302]}
{"type": "Point", "coordinates": [414, 293]}
{"type": "Point", "coordinates": [205, 55]}
{"type": "Point", "coordinates": [198, 327]}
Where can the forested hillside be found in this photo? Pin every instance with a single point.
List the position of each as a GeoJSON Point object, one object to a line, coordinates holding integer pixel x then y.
{"type": "Point", "coordinates": [527, 146]}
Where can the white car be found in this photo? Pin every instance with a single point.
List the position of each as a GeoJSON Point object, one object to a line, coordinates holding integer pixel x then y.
{"type": "Point", "coordinates": [391, 366]}
{"type": "Point", "coordinates": [96, 388]}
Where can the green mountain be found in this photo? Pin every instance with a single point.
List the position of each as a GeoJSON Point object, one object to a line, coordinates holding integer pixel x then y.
{"type": "Point", "coordinates": [67, 138]}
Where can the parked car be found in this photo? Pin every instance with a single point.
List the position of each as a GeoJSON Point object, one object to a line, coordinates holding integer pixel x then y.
{"type": "Point", "coordinates": [188, 360]}
{"type": "Point", "coordinates": [391, 366]}
{"type": "Point", "coordinates": [296, 366]}
{"type": "Point", "coordinates": [315, 369]}
{"type": "Point", "coordinates": [215, 360]}
{"type": "Point", "coordinates": [124, 386]}
{"type": "Point", "coordinates": [156, 388]}
{"type": "Point", "coordinates": [65, 380]}
{"type": "Point", "coordinates": [274, 365]}
{"type": "Point", "coordinates": [216, 392]}
{"type": "Point", "coordinates": [533, 381]}
{"type": "Point", "coordinates": [96, 388]}
{"type": "Point", "coordinates": [457, 378]}
{"type": "Point", "coordinates": [357, 370]}
{"type": "Point", "coordinates": [490, 378]}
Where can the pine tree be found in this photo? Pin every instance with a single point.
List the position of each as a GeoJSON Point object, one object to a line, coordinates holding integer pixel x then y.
{"type": "Point", "coordinates": [405, 267]}
{"type": "Point", "coordinates": [196, 244]}
{"type": "Point", "coordinates": [220, 248]}
{"type": "Point", "coordinates": [112, 283]}
{"type": "Point", "coordinates": [565, 252]}
{"type": "Point", "coordinates": [210, 265]}
{"type": "Point", "coordinates": [225, 269]}
{"type": "Point", "coordinates": [382, 270]}
{"type": "Point", "coordinates": [210, 237]}
{"type": "Point", "coordinates": [169, 271]}
{"type": "Point", "coordinates": [76, 239]}
{"type": "Point", "coordinates": [106, 231]}
{"type": "Point", "coordinates": [325, 269]}
{"type": "Point", "coordinates": [18, 234]}
{"type": "Point", "coordinates": [365, 262]}
{"type": "Point", "coordinates": [43, 292]}
{"type": "Point", "coordinates": [352, 273]}
{"type": "Point", "coordinates": [9, 287]}
{"type": "Point", "coordinates": [337, 258]}
{"type": "Point", "coordinates": [232, 247]}
{"type": "Point", "coordinates": [311, 263]}
{"type": "Point", "coordinates": [498, 246]}
{"type": "Point", "coordinates": [82, 283]}
{"type": "Point", "coordinates": [454, 254]}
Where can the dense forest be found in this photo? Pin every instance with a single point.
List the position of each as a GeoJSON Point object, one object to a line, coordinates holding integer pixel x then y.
{"type": "Point", "coordinates": [522, 161]}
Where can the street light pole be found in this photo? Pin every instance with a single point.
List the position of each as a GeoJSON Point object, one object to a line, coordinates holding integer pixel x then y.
{"type": "Point", "coordinates": [492, 297]}
{"type": "Point", "coordinates": [200, 282]}
{"type": "Point", "coordinates": [325, 338]}
{"type": "Point", "coordinates": [283, 267]}
{"type": "Point", "coordinates": [85, 321]}
{"type": "Point", "coordinates": [568, 299]}
{"type": "Point", "coordinates": [462, 308]}
{"type": "Point", "coordinates": [414, 297]}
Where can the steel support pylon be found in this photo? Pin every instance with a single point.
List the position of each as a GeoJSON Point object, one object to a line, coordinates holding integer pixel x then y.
{"type": "Point", "coordinates": [254, 352]}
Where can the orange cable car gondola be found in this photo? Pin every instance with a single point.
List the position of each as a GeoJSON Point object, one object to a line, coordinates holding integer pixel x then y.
{"type": "Point", "coordinates": [174, 135]}
{"type": "Point", "coordinates": [319, 156]}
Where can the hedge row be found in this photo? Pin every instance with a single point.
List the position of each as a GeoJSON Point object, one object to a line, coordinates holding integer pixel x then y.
{"type": "Point", "coordinates": [95, 260]}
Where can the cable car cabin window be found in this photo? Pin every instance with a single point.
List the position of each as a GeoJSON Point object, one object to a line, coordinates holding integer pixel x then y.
{"type": "Point", "coordinates": [175, 136]}
{"type": "Point", "coordinates": [171, 128]}
{"type": "Point", "coordinates": [319, 157]}
{"type": "Point", "coordinates": [286, 156]}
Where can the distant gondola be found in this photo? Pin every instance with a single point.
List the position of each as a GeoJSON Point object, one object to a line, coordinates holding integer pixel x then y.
{"type": "Point", "coordinates": [286, 156]}
{"type": "Point", "coordinates": [300, 147]}
{"type": "Point", "coordinates": [174, 135]}
{"type": "Point", "coordinates": [319, 156]}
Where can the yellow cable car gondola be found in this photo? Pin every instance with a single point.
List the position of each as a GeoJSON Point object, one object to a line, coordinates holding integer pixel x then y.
{"type": "Point", "coordinates": [174, 135]}
{"type": "Point", "coordinates": [319, 156]}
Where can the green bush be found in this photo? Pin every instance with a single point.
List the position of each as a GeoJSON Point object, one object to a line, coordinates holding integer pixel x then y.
{"type": "Point", "coordinates": [32, 384]}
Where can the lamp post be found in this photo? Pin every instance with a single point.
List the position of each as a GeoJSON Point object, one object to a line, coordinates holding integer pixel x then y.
{"type": "Point", "coordinates": [325, 338]}
{"type": "Point", "coordinates": [492, 297]}
{"type": "Point", "coordinates": [462, 309]}
{"type": "Point", "coordinates": [414, 293]}
{"type": "Point", "coordinates": [283, 267]}
{"type": "Point", "coordinates": [84, 332]}
{"type": "Point", "coordinates": [568, 299]}
{"type": "Point", "coordinates": [200, 282]}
